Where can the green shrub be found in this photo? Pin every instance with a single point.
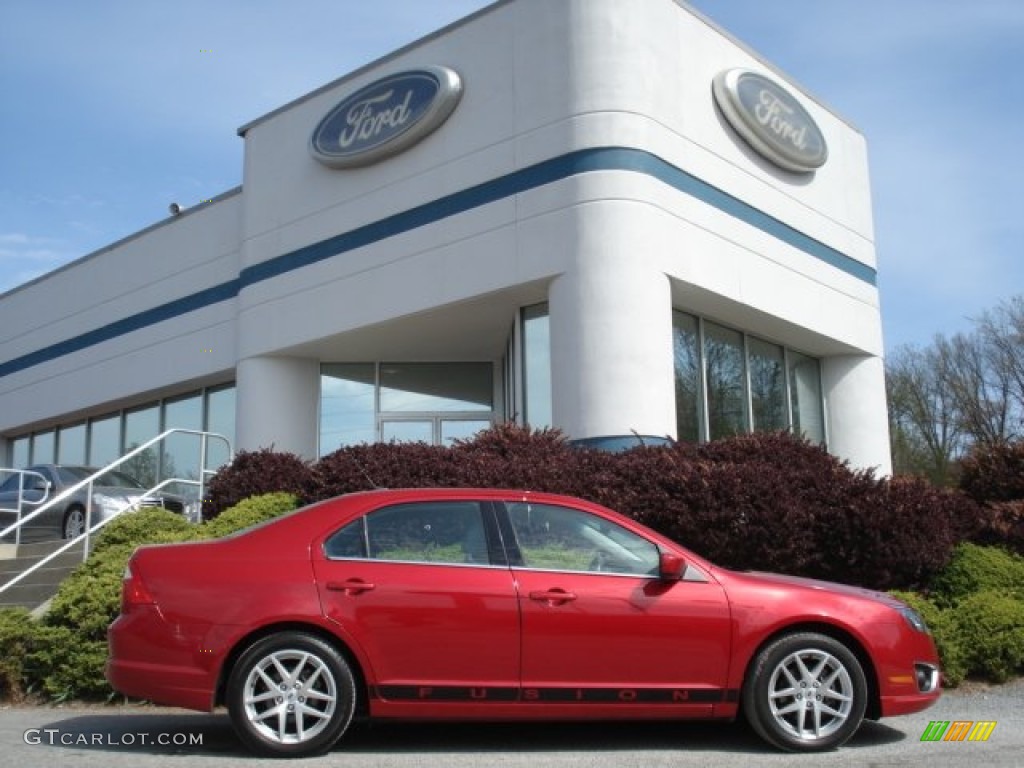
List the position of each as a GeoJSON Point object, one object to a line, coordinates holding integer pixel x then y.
{"type": "Point", "coordinates": [17, 634]}
{"type": "Point", "coordinates": [990, 628]}
{"type": "Point", "coordinates": [977, 569]}
{"type": "Point", "coordinates": [151, 525]}
{"type": "Point", "coordinates": [249, 512]}
{"type": "Point", "coordinates": [944, 626]}
{"type": "Point", "coordinates": [65, 665]}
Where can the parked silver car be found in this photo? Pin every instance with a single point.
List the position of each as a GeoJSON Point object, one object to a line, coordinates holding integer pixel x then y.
{"type": "Point", "coordinates": [111, 493]}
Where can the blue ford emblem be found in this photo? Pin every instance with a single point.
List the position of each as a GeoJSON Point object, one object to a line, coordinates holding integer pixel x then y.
{"type": "Point", "coordinates": [386, 117]}
{"type": "Point", "coordinates": [770, 119]}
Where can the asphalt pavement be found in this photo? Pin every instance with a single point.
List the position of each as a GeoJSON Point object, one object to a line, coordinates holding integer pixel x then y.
{"type": "Point", "coordinates": [115, 736]}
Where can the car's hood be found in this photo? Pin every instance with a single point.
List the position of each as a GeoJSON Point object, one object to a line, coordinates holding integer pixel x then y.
{"type": "Point", "coordinates": [819, 585]}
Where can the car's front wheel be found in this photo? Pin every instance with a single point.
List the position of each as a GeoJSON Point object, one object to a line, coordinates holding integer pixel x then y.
{"type": "Point", "coordinates": [806, 692]}
{"type": "Point", "coordinates": [74, 523]}
{"type": "Point", "coordinates": [291, 694]}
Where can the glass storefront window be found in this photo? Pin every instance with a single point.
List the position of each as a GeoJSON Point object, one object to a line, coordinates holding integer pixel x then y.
{"type": "Point", "coordinates": [407, 431]}
{"type": "Point", "coordinates": [746, 385]}
{"type": "Point", "coordinates": [348, 412]}
{"type": "Point", "coordinates": [461, 429]}
{"type": "Point", "coordinates": [689, 397]}
{"type": "Point", "coordinates": [431, 387]}
{"type": "Point", "coordinates": [726, 381]}
{"type": "Point", "coordinates": [220, 419]}
{"type": "Point", "coordinates": [805, 396]}
{"type": "Point", "coordinates": [139, 427]}
{"type": "Point", "coordinates": [537, 366]}
{"type": "Point", "coordinates": [43, 448]}
{"type": "Point", "coordinates": [180, 453]}
{"type": "Point", "coordinates": [104, 440]}
{"type": "Point", "coordinates": [20, 452]}
{"type": "Point", "coordinates": [767, 385]}
{"type": "Point", "coordinates": [71, 445]}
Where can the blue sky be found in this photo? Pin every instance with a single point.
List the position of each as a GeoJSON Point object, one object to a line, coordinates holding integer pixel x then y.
{"type": "Point", "coordinates": [112, 109]}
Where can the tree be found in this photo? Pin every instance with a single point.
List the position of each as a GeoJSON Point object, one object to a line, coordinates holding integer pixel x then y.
{"type": "Point", "coordinates": [925, 423]}
{"type": "Point", "coordinates": [961, 392]}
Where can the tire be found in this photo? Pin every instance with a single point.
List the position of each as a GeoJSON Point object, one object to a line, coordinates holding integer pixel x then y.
{"type": "Point", "coordinates": [291, 695]}
{"type": "Point", "coordinates": [74, 523]}
{"type": "Point", "coordinates": [805, 693]}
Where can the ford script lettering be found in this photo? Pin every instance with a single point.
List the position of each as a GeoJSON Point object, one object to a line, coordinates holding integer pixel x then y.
{"type": "Point", "coordinates": [770, 120]}
{"type": "Point", "coordinates": [386, 117]}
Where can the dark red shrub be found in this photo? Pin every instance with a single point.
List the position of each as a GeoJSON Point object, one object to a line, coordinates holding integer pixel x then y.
{"type": "Point", "coordinates": [251, 473]}
{"type": "Point", "coordinates": [994, 473]}
{"type": "Point", "coordinates": [383, 465]}
{"type": "Point", "coordinates": [1001, 524]}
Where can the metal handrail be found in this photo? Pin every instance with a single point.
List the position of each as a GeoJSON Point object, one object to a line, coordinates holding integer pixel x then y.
{"type": "Point", "coordinates": [204, 438]}
{"type": "Point", "coordinates": [22, 474]}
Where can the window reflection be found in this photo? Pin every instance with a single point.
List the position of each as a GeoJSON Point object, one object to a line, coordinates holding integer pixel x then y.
{"type": "Point", "coordinates": [537, 366]}
{"type": "Point", "coordinates": [43, 447]}
{"type": "Point", "coordinates": [104, 440]}
{"type": "Point", "coordinates": [436, 387]}
{"type": "Point", "coordinates": [726, 380]}
{"type": "Point", "coordinates": [689, 397]}
{"type": "Point", "coordinates": [767, 385]}
{"type": "Point", "coordinates": [805, 394]}
{"type": "Point", "coordinates": [347, 405]}
{"type": "Point", "coordinates": [71, 445]}
{"type": "Point", "coordinates": [745, 384]}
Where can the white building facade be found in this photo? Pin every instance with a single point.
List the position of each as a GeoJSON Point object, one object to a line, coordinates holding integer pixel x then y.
{"type": "Point", "coordinates": [605, 216]}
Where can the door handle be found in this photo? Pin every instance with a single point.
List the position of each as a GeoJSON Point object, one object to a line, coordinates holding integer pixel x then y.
{"type": "Point", "coordinates": [553, 596]}
{"type": "Point", "coordinates": [350, 586]}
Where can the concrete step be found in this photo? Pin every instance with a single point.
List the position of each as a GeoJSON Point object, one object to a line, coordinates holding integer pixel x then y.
{"type": "Point", "coordinates": [42, 584]}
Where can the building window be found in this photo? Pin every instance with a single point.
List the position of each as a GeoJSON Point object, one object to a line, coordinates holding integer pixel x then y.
{"type": "Point", "coordinates": [767, 367]}
{"type": "Point", "coordinates": [728, 383]}
{"type": "Point", "coordinates": [805, 396]}
{"type": "Point", "coordinates": [220, 419]}
{"type": "Point", "coordinates": [536, 330]}
{"type": "Point", "coordinates": [435, 403]}
{"type": "Point", "coordinates": [725, 374]}
{"type": "Point", "coordinates": [20, 452]}
{"type": "Point", "coordinates": [44, 447]}
{"type": "Point", "coordinates": [104, 440]}
{"type": "Point", "coordinates": [71, 445]}
{"type": "Point", "coordinates": [689, 388]}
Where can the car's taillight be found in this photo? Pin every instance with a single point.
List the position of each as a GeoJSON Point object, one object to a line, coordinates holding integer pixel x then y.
{"type": "Point", "coordinates": [133, 591]}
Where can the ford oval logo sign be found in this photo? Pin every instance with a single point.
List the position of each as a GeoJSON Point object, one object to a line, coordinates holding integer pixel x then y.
{"type": "Point", "coordinates": [770, 119]}
{"type": "Point", "coordinates": [385, 117]}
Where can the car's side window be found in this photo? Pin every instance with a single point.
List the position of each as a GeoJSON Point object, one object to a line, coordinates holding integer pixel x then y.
{"type": "Point", "coordinates": [419, 532]}
{"type": "Point", "coordinates": [558, 538]}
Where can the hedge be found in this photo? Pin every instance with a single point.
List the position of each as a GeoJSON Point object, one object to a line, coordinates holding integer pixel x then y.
{"type": "Point", "coordinates": [765, 501]}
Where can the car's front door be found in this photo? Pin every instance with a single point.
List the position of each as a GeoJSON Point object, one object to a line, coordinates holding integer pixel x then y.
{"type": "Point", "coordinates": [600, 631]}
{"type": "Point", "coordinates": [424, 590]}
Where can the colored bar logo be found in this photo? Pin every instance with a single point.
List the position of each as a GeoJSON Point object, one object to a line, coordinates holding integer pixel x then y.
{"type": "Point", "coordinates": [958, 730]}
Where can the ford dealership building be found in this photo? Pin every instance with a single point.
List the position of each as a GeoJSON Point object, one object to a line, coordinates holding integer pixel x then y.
{"type": "Point", "coordinates": [607, 216]}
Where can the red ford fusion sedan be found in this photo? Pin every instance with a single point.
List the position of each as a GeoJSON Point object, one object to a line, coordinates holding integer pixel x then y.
{"type": "Point", "coordinates": [500, 605]}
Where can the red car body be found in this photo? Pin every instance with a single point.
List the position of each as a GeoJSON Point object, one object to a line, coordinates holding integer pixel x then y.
{"type": "Point", "coordinates": [502, 628]}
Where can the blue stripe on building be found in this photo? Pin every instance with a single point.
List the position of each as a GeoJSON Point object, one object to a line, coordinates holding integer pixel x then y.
{"type": "Point", "coordinates": [545, 172]}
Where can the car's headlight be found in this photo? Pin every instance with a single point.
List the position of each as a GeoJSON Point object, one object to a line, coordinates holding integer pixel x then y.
{"type": "Point", "coordinates": [913, 618]}
{"type": "Point", "coordinates": [111, 504]}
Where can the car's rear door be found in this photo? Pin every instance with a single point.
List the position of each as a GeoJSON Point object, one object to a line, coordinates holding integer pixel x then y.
{"type": "Point", "coordinates": [602, 635]}
{"type": "Point", "coordinates": [424, 591]}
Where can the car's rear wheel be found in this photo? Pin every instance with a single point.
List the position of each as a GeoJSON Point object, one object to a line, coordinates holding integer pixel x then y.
{"type": "Point", "coordinates": [291, 694]}
{"type": "Point", "coordinates": [74, 523]}
{"type": "Point", "coordinates": [806, 692]}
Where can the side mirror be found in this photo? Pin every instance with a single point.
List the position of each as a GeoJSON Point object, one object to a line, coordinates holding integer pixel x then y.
{"type": "Point", "coordinates": [670, 566]}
